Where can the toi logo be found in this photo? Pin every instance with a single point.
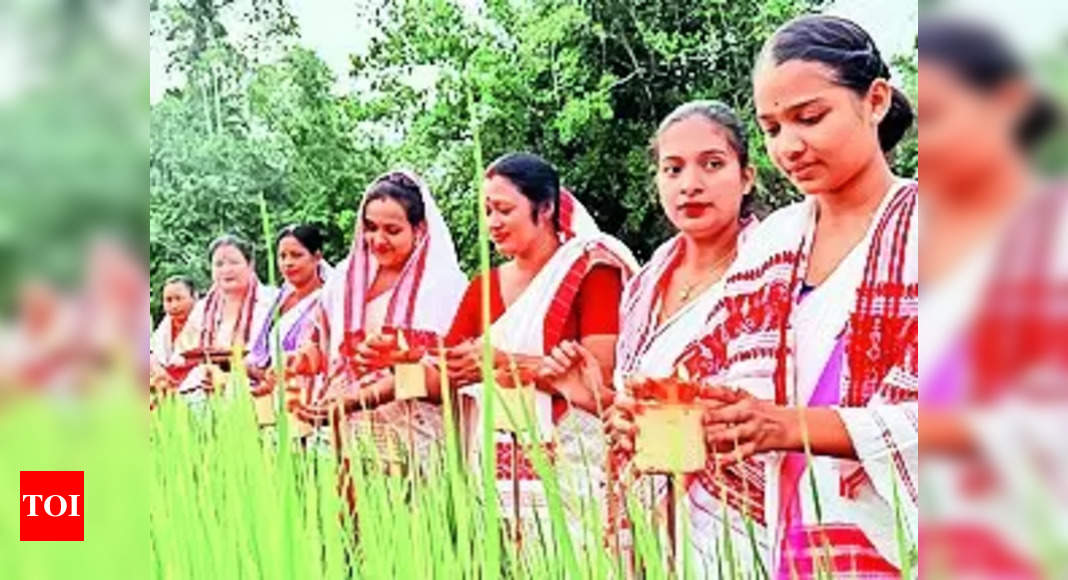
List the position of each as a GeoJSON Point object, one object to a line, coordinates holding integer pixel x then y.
{"type": "Point", "coordinates": [51, 506]}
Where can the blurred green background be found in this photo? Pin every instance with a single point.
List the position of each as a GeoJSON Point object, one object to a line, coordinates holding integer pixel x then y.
{"type": "Point", "coordinates": [73, 135]}
{"type": "Point", "coordinates": [74, 118]}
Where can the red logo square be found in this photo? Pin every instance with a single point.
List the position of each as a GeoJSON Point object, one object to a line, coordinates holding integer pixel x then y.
{"type": "Point", "coordinates": [52, 506]}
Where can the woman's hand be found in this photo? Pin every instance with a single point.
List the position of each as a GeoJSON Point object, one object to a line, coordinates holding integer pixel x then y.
{"type": "Point", "coordinates": [373, 353]}
{"type": "Point", "coordinates": [315, 414]}
{"type": "Point", "coordinates": [575, 373]}
{"type": "Point", "coordinates": [739, 425]}
{"type": "Point", "coordinates": [306, 361]}
{"type": "Point", "coordinates": [463, 362]}
{"type": "Point", "coordinates": [620, 428]}
{"type": "Point", "coordinates": [265, 383]}
{"type": "Point", "coordinates": [507, 377]}
{"type": "Point", "coordinates": [255, 373]}
{"type": "Point", "coordinates": [160, 381]}
{"type": "Point", "coordinates": [207, 379]}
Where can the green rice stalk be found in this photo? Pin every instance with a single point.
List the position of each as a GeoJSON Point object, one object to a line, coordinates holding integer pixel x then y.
{"type": "Point", "coordinates": [489, 450]}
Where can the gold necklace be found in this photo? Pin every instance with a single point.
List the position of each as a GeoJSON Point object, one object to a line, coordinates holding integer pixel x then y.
{"type": "Point", "coordinates": [684, 295]}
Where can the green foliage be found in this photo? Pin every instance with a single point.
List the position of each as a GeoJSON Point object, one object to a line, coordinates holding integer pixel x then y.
{"type": "Point", "coordinates": [240, 129]}
{"type": "Point", "coordinates": [582, 83]}
{"type": "Point", "coordinates": [906, 156]}
{"type": "Point", "coordinates": [73, 147]}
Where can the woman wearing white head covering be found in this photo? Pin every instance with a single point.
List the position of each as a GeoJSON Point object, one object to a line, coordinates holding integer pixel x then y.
{"type": "Point", "coordinates": [401, 274]}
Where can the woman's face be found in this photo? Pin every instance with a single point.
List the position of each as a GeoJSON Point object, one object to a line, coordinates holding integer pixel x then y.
{"type": "Point", "coordinates": [177, 300]}
{"type": "Point", "coordinates": [508, 216]}
{"type": "Point", "coordinates": [699, 178]}
{"type": "Point", "coordinates": [819, 134]}
{"type": "Point", "coordinates": [298, 265]}
{"type": "Point", "coordinates": [230, 270]}
{"type": "Point", "coordinates": [966, 133]}
{"type": "Point", "coordinates": [388, 233]}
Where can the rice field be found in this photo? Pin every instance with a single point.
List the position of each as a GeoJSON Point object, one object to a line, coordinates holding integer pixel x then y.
{"type": "Point", "coordinates": [229, 500]}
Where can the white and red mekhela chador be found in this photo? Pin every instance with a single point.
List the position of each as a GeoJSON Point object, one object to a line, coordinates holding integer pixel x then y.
{"type": "Point", "coordinates": [650, 347]}
{"type": "Point", "coordinates": [161, 343]}
{"type": "Point", "coordinates": [993, 353]}
{"type": "Point", "coordinates": [292, 325]}
{"type": "Point", "coordinates": [422, 303]}
{"type": "Point", "coordinates": [559, 303]}
{"type": "Point", "coordinates": [851, 344]}
{"type": "Point", "coordinates": [205, 330]}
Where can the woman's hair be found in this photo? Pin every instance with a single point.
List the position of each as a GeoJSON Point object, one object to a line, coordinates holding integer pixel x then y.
{"type": "Point", "coordinates": [719, 114]}
{"type": "Point", "coordinates": [307, 235]}
{"type": "Point", "coordinates": [184, 281]}
{"type": "Point", "coordinates": [402, 189]}
{"type": "Point", "coordinates": [535, 178]}
{"type": "Point", "coordinates": [233, 241]}
{"type": "Point", "coordinates": [984, 61]}
{"type": "Point", "coordinates": [849, 51]}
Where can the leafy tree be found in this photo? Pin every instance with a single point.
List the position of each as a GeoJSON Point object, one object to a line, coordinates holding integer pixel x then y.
{"type": "Point", "coordinates": [583, 83]}
{"type": "Point", "coordinates": [247, 124]}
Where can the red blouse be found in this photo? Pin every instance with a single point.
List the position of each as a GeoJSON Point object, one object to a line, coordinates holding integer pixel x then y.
{"type": "Point", "coordinates": [595, 309]}
{"type": "Point", "coordinates": [176, 329]}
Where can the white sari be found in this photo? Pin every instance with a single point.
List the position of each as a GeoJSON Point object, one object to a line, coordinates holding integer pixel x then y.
{"type": "Point", "coordinates": [576, 438]}
{"type": "Point", "coordinates": [650, 348]}
{"type": "Point", "coordinates": [205, 329]}
{"type": "Point", "coordinates": [422, 302]}
{"type": "Point", "coordinates": [857, 353]}
{"type": "Point", "coordinates": [1009, 286]}
{"type": "Point", "coordinates": [291, 327]}
{"type": "Point", "coordinates": [161, 345]}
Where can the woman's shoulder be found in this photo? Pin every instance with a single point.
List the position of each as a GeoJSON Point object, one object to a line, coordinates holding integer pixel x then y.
{"type": "Point", "coordinates": [602, 277]}
{"type": "Point", "coordinates": [771, 227]}
{"type": "Point", "coordinates": [474, 285]}
{"type": "Point", "coordinates": [265, 296]}
{"type": "Point", "coordinates": [797, 210]}
{"type": "Point", "coordinates": [476, 277]}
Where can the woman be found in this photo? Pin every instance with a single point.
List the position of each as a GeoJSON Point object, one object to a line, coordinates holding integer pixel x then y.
{"type": "Point", "coordinates": [562, 281]}
{"type": "Point", "coordinates": [179, 296]}
{"type": "Point", "coordinates": [300, 259]}
{"type": "Point", "coordinates": [227, 318]}
{"type": "Point", "coordinates": [401, 274]}
{"type": "Point", "coordinates": [704, 180]}
{"type": "Point", "coordinates": [816, 334]}
{"type": "Point", "coordinates": [987, 264]}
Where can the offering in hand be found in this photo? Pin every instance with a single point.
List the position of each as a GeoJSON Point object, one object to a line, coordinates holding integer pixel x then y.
{"type": "Point", "coordinates": [409, 378]}
{"type": "Point", "coordinates": [519, 403]}
{"type": "Point", "coordinates": [219, 357]}
{"type": "Point", "coordinates": [265, 414]}
{"type": "Point", "coordinates": [668, 418]}
{"type": "Point", "coordinates": [297, 426]}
